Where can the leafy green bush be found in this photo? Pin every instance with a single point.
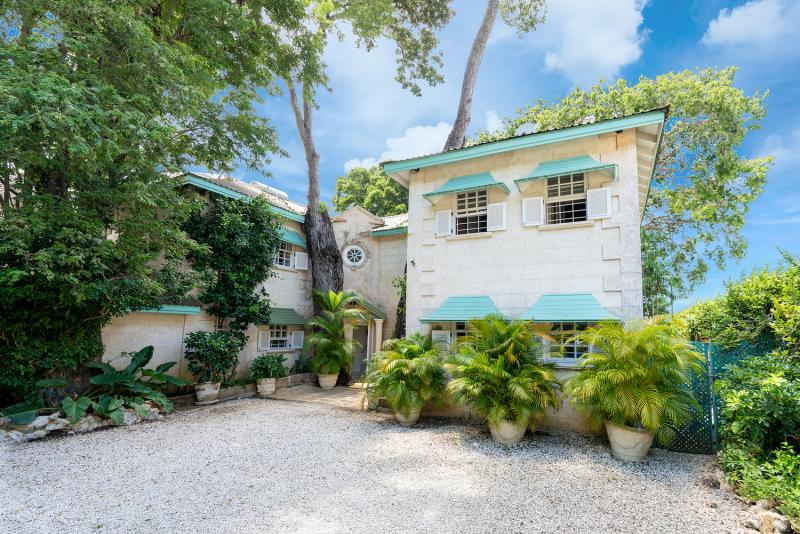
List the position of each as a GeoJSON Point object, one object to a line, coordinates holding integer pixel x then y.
{"type": "Point", "coordinates": [213, 356]}
{"type": "Point", "coordinates": [268, 366]}
{"type": "Point", "coordinates": [301, 365]}
{"type": "Point", "coordinates": [407, 372]}
{"type": "Point", "coordinates": [637, 376]}
{"type": "Point", "coordinates": [332, 350]}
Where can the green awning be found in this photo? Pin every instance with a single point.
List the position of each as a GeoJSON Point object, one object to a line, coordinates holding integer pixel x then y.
{"type": "Point", "coordinates": [285, 316]}
{"type": "Point", "coordinates": [292, 237]}
{"type": "Point", "coordinates": [568, 308]}
{"type": "Point", "coordinates": [175, 309]}
{"type": "Point", "coordinates": [467, 183]}
{"type": "Point", "coordinates": [373, 309]}
{"type": "Point", "coordinates": [560, 167]}
{"type": "Point", "coordinates": [462, 309]}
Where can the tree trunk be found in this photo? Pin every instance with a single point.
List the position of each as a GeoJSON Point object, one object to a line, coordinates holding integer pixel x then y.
{"type": "Point", "coordinates": [457, 136]}
{"type": "Point", "coordinates": [400, 323]}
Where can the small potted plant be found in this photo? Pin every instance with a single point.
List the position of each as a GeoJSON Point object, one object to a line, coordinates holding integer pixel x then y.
{"type": "Point", "coordinates": [265, 370]}
{"type": "Point", "coordinates": [408, 373]}
{"type": "Point", "coordinates": [635, 382]}
{"type": "Point", "coordinates": [212, 357]}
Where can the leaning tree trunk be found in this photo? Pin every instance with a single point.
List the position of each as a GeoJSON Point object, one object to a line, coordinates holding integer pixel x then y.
{"type": "Point", "coordinates": [458, 134]}
{"type": "Point", "coordinates": [400, 322]}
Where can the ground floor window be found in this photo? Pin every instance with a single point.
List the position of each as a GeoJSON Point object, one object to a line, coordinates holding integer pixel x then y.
{"type": "Point", "coordinates": [564, 346]}
{"type": "Point", "coordinates": [460, 331]}
{"type": "Point", "coordinates": [278, 336]}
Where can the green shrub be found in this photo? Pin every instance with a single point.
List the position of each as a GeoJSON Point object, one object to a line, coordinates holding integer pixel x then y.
{"type": "Point", "coordinates": [301, 365]}
{"type": "Point", "coordinates": [333, 352]}
{"type": "Point", "coordinates": [212, 357]}
{"type": "Point", "coordinates": [268, 366]}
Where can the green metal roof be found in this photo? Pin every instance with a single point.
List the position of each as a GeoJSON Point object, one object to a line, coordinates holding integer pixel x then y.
{"type": "Point", "coordinates": [560, 167]}
{"type": "Point", "coordinates": [390, 231]}
{"type": "Point", "coordinates": [175, 309]}
{"type": "Point", "coordinates": [527, 141]}
{"type": "Point", "coordinates": [469, 182]}
{"type": "Point", "coordinates": [570, 307]}
{"type": "Point", "coordinates": [292, 237]}
{"type": "Point", "coordinates": [462, 309]}
{"type": "Point", "coordinates": [285, 316]}
{"type": "Point", "coordinates": [373, 309]}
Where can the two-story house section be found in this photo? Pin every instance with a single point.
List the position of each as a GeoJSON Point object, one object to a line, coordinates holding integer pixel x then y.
{"type": "Point", "coordinates": [542, 226]}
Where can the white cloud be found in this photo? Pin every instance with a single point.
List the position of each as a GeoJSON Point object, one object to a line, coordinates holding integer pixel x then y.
{"type": "Point", "coordinates": [784, 148]}
{"type": "Point", "coordinates": [760, 22]}
{"type": "Point", "coordinates": [493, 121]}
{"type": "Point", "coordinates": [415, 141]}
{"type": "Point", "coordinates": [586, 40]}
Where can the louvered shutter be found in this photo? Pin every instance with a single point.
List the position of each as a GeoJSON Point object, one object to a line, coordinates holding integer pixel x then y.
{"type": "Point", "coordinates": [533, 211]}
{"type": "Point", "coordinates": [298, 337]}
{"type": "Point", "coordinates": [301, 261]}
{"type": "Point", "coordinates": [444, 223]}
{"type": "Point", "coordinates": [441, 339]}
{"type": "Point", "coordinates": [263, 340]}
{"type": "Point", "coordinates": [496, 216]}
{"type": "Point", "coordinates": [598, 203]}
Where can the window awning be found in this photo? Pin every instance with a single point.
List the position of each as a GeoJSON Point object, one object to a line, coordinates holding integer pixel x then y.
{"type": "Point", "coordinates": [285, 316]}
{"type": "Point", "coordinates": [292, 237]}
{"type": "Point", "coordinates": [373, 309]}
{"type": "Point", "coordinates": [470, 182]}
{"type": "Point", "coordinates": [560, 167]}
{"type": "Point", "coordinates": [462, 309]}
{"type": "Point", "coordinates": [568, 308]}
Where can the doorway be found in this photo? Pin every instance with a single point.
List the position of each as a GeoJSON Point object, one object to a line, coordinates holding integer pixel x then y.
{"type": "Point", "coordinates": [359, 367]}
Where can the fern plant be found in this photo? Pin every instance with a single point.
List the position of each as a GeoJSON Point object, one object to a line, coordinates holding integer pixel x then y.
{"type": "Point", "coordinates": [408, 373]}
{"type": "Point", "coordinates": [496, 373]}
{"type": "Point", "coordinates": [636, 376]}
{"type": "Point", "coordinates": [332, 350]}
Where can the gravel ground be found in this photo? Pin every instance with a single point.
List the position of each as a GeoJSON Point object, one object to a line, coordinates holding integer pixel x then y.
{"type": "Point", "coordinates": [275, 466]}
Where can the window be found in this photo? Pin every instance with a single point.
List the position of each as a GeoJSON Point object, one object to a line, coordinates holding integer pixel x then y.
{"type": "Point", "coordinates": [471, 212]}
{"type": "Point", "coordinates": [563, 347]}
{"type": "Point", "coordinates": [284, 256]}
{"type": "Point", "coordinates": [354, 256]}
{"type": "Point", "coordinates": [566, 199]}
{"type": "Point", "coordinates": [221, 324]}
{"type": "Point", "coordinates": [460, 331]}
{"type": "Point", "coordinates": [278, 336]}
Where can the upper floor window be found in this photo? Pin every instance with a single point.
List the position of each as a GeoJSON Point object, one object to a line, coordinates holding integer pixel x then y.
{"type": "Point", "coordinates": [284, 256]}
{"type": "Point", "coordinates": [470, 216]}
{"type": "Point", "coordinates": [566, 199]}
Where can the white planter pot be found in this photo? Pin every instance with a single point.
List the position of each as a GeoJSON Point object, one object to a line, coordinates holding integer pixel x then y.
{"type": "Point", "coordinates": [408, 418]}
{"type": "Point", "coordinates": [628, 443]}
{"type": "Point", "coordinates": [207, 393]}
{"type": "Point", "coordinates": [328, 381]}
{"type": "Point", "coordinates": [507, 432]}
{"type": "Point", "coordinates": [266, 386]}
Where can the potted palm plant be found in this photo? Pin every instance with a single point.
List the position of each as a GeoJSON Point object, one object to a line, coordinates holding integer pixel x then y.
{"type": "Point", "coordinates": [635, 381]}
{"type": "Point", "coordinates": [211, 358]}
{"type": "Point", "coordinates": [497, 374]}
{"type": "Point", "coordinates": [265, 370]}
{"type": "Point", "coordinates": [408, 373]}
{"type": "Point", "coordinates": [333, 350]}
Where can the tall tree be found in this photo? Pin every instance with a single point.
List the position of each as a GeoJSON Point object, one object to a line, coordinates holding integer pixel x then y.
{"type": "Point", "coordinates": [524, 16]}
{"type": "Point", "coordinates": [98, 101]}
{"type": "Point", "coordinates": [372, 190]}
{"type": "Point", "coordinates": [702, 187]}
{"type": "Point", "coordinates": [411, 26]}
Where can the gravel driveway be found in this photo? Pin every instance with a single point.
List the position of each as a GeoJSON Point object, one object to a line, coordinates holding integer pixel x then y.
{"type": "Point", "coordinates": [276, 466]}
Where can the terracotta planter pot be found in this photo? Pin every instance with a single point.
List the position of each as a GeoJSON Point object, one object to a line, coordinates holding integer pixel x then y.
{"type": "Point", "coordinates": [628, 443]}
{"type": "Point", "coordinates": [328, 381]}
{"type": "Point", "coordinates": [507, 432]}
{"type": "Point", "coordinates": [408, 418]}
{"type": "Point", "coordinates": [207, 393]}
{"type": "Point", "coordinates": [266, 386]}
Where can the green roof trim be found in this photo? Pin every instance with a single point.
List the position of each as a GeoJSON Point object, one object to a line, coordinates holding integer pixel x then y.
{"type": "Point", "coordinates": [286, 214]}
{"type": "Point", "coordinates": [568, 308]}
{"type": "Point", "coordinates": [175, 309]}
{"type": "Point", "coordinates": [561, 167]}
{"type": "Point", "coordinates": [373, 309]}
{"type": "Point", "coordinates": [389, 231]}
{"type": "Point", "coordinates": [527, 141]}
{"type": "Point", "coordinates": [285, 316]}
{"type": "Point", "coordinates": [462, 309]}
{"type": "Point", "coordinates": [292, 237]}
{"type": "Point", "coordinates": [469, 182]}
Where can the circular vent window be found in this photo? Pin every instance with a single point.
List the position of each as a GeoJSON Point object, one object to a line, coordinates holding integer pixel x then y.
{"type": "Point", "coordinates": [354, 256]}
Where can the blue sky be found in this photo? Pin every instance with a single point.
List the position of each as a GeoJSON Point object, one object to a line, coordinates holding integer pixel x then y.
{"type": "Point", "coordinates": [368, 117]}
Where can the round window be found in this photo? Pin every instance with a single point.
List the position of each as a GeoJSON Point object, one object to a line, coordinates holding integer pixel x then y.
{"type": "Point", "coordinates": [354, 255]}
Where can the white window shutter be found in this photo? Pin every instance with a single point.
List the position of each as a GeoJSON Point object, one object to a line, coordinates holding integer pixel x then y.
{"type": "Point", "coordinates": [298, 336]}
{"type": "Point", "coordinates": [441, 338]}
{"type": "Point", "coordinates": [598, 203]}
{"type": "Point", "coordinates": [533, 211]}
{"type": "Point", "coordinates": [444, 223]}
{"type": "Point", "coordinates": [496, 216]}
{"type": "Point", "coordinates": [301, 261]}
{"type": "Point", "coordinates": [263, 340]}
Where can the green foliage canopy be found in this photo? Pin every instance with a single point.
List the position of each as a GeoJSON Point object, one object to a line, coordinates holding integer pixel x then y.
{"type": "Point", "coordinates": [372, 190]}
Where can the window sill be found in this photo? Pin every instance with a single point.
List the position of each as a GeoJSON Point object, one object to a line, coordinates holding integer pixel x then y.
{"type": "Point", "coordinates": [287, 269]}
{"type": "Point", "coordinates": [478, 235]}
{"type": "Point", "coordinates": [560, 363]}
{"type": "Point", "coordinates": [582, 224]}
{"type": "Point", "coordinates": [277, 351]}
